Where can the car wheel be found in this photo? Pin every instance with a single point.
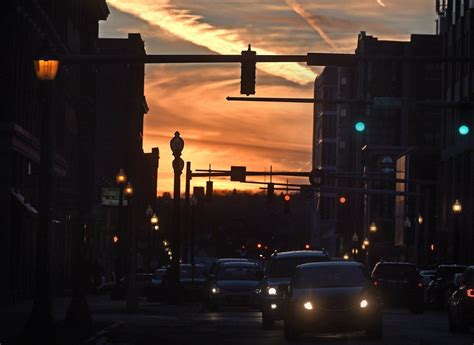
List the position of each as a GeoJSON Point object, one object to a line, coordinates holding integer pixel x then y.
{"type": "Point", "coordinates": [375, 331]}
{"type": "Point", "coordinates": [267, 322]}
{"type": "Point", "coordinates": [291, 333]}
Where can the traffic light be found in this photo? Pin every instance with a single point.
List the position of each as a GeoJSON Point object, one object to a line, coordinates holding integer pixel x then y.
{"type": "Point", "coordinates": [342, 200]}
{"type": "Point", "coordinates": [307, 246]}
{"type": "Point", "coordinates": [270, 192]}
{"type": "Point", "coordinates": [464, 121]}
{"type": "Point", "coordinates": [359, 126]}
{"type": "Point", "coordinates": [259, 246]}
{"type": "Point", "coordinates": [115, 239]}
{"type": "Point", "coordinates": [248, 72]}
{"type": "Point", "coordinates": [209, 191]}
{"type": "Point", "coordinates": [287, 199]}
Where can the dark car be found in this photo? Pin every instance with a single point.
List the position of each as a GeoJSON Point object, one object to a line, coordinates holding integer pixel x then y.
{"type": "Point", "coordinates": [215, 266]}
{"type": "Point", "coordinates": [332, 297]}
{"type": "Point", "coordinates": [442, 285]}
{"type": "Point", "coordinates": [142, 284]}
{"type": "Point", "coordinates": [400, 283]}
{"type": "Point", "coordinates": [461, 303]}
{"type": "Point", "coordinates": [279, 270]}
{"type": "Point", "coordinates": [193, 280]}
{"type": "Point", "coordinates": [235, 284]}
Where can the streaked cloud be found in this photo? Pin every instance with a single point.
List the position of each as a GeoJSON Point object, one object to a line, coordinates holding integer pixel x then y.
{"type": "Point", "coordinates": [380, 3]}
{"type": "Point", "coordinates": [192, 28]}
{"type": "Point", "coordinates": [311, 20]}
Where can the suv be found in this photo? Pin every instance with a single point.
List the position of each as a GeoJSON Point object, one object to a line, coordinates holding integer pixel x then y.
{"type": "Point", "coordinates": [440, 287]}
{"type": "Point", "coordinates": [400, 282]}
{"type": "Point", "coordinates": [278, 274]}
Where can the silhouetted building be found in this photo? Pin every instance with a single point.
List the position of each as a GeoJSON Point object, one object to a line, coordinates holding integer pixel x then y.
{"type": "Point", "coordinates": [121, 106]}
{"type": "Point", "coordinates": [67, 28]}
{"type": "Point", "coordinates": [455, 239]}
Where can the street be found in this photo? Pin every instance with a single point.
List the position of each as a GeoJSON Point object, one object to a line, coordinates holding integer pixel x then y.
{"type": "Point", "coordinates": [244, 327]}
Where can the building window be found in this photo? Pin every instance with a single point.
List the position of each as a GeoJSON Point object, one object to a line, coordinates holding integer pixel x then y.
{"type": "Point", "coordinates": [343, 80]}
{"type": "Point", "coordinates": [342, 145]}
{"type": "Point", "coordinates": [343, 112]}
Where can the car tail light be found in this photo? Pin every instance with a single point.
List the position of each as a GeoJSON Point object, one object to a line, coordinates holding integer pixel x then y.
{"type": "Point", "coordinates": [419, 283]}
{"type": "Point", "coordinates": [470, 293]}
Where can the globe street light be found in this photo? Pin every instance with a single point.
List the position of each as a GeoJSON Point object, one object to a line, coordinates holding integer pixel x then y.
{"type": "Point", "coordinates": [373, 227]}
{"type": "Point", "coordinates": [121, 177]}
{"type": "Point", "coordinates": [128, 190]}
{"type": "Point", "coordinates": [456, 207]}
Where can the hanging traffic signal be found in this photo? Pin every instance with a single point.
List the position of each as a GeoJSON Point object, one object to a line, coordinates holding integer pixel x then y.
{"type": "Point", "coordinates": [115, 239]}
{"type": "Point", "coordinates": [307, 246]}
{"type": "Point", "coordinates": [270, 192]}
{"type": "Point", "coordinates": [259, 245]}
{"type": "Point", "coordinates": [287, 199]}
{"type": "Point", "coordinates": [359, 126]}
{"type": "Point", "coordinates": [248, 72]}
{"type": "Point", "coordinates": [209, 191]}
{"type": "Point", "coordinates": [464, 129]}
{"type": "Point", "coordinates": [342, 199]}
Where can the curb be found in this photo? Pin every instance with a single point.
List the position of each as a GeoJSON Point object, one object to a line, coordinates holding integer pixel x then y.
{"type": "Point", "coordinates": [101, 334]}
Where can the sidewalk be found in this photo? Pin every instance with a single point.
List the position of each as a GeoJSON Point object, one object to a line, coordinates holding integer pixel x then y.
{"type": "Point", "coordinates": [104, 312]}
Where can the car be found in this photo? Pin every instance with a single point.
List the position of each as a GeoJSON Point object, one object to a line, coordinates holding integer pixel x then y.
{"type": "Point", "coordinates": [461, 302]}
{"type": "Point", "coordinates": [215, 266]}
{"type": "Point", "coordinates": [156, 289]}
{"type": "Point", "coordinates": [193, 281]}
{"type": "Point", "coordinates": [235, 284]}
{"type": "Point", "coordinates": [279, 270]}
{"type": "Point", "coordinates": [427, 276]}
{"type": "Point", "coordinates": [400, 283]}
{"type": "Point", "coordinates": [335, 296]}
{"type": "Point", "coordinates": [439, 288]}
{"type": "Point", "coordinates": [142, 283]}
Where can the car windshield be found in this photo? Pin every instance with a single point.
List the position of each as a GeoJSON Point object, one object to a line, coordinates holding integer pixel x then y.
{"type": "Point", "coordinates": [329, 276]}
{"type": "Point", "coordinates": [449, 272]}
{"type": "Point", "coordinates": [237, 273]}
{"type": "Point", "coordinates": [395, 271]}
{"type": "Point", "coordinates": [285, 267]}
{"type": "Point", "coordinates": [186, 272]}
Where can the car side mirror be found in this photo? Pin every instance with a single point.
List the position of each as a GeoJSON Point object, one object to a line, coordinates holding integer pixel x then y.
{"type": "Point", "coordinates": [259, 275]}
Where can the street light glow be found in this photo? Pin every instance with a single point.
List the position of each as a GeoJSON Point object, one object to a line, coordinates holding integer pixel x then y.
{"type": "Point", "coordinates": [46, 69]}
{"type": "Point", "coordinates": [457, 207]}
{"type": "Point", "coordinates": [373, 227]}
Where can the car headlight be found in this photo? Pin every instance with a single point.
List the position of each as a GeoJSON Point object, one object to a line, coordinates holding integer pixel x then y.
{"type": "Point", "coordinates": [308, 306]}
{"type": "Point", "coordinates": [215, 290]}
{"type": "Point", "coordinates": [364, 303]}
{"type": "Point", "coordinates": [272, 291]}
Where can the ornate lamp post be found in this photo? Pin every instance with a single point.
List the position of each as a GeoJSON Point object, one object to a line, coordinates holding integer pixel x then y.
{"type": "Point", "coordinates": [40, 325]}
{"type": "Point", "coordinates": [457, 209]}
{"type": "Point", "coordinates": [177, 145]}
{"type": "Point", "coordinates": [132, 293]}
{"type": "Point", "coordinates": [121, 180]}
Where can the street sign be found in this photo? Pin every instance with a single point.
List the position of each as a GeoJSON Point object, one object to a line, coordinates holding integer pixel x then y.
{"type": "Point", "coordinates": [238, 173]}
{"type": "Point", "coordinates": [387, 103]}
{"type": "Point", "coordinates": [110, 197]}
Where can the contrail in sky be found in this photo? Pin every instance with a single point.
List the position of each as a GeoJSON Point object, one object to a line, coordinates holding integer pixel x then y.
{"type": "Point", "coordinates": [380, 3]}
{"type": "Point", "coordinates": [190, 27]}
{"type": "Point", "coordinates": [310, 20]}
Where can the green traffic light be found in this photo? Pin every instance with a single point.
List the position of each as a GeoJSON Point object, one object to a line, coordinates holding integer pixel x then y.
{"type": "Point", "coordinates": [359, 126]}
{"type": "Point", "coordinates": [463, 130]}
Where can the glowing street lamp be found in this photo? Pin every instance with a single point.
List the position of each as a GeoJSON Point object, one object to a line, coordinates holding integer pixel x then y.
{"type": "Point", "coordinates": [366, 242]}
{"type": "Point", "coordinates": [346, 256]}
{"type": "Point", "coordinates": [420, 219]}
{"type": "Point", "coordinates": [154, 219]}
{"type": "Point", "coordinates": [373, 227]}
{"type": "Point", "coordinates": [128, 190]}
{"type": "Point", "coordinates": [121, 177]}
{"type": "Point", "coordinates": [456, 207]}
{"type": "Point", "coordinates": [46, 68]}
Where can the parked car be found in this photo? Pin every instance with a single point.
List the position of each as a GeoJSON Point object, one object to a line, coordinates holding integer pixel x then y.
{"type": "Point", "coordinates": [142, 283]}
{"type": "Point", "coordinates": [155, 290]}
{"type": "Point", "coordinates": [332, 296]}
{"type": "Point", "coordinates": [442, 285]}
{"type": "Point", "coordinates": [194, 283]}
{"type": "Point", "coordinates": [400, 283]}
{"type": "Point", "coordinates": [461, 302]}
{"type": "Point", "coordinates": [235, 284]}
{"type": "Point", "coordinates": [427, 276]}
{"type": "Point", "coordinates": [278, 271]}
{"type": "Point", "coordinates": [215, 266]}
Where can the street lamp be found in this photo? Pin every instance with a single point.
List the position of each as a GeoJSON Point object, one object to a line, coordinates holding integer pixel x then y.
{"type": "Point", "coordinates": [154, 219]}
{"type": "Point", "coordinates": [40, 325]}
{"type": "Point", "coordinates": [373, 227]}
{"type": "Point", "coordinates": [128, 190]}
{"type": "Point", "coordinates": [456, 207]}
{"type": "Point", "coordinates": [366, 242]}
{"type": "Point", "coordinates": [176, 145]}
{"type": "Point", "coordinates": [121, 177]}
{"type": "Point", "coordinates": [346, 256]}
{"type": "Point", "coordinates": [420, 219]}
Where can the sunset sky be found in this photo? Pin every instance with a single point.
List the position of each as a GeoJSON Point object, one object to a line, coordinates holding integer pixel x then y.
{"type": "Point", "coordinates": [191, 98]}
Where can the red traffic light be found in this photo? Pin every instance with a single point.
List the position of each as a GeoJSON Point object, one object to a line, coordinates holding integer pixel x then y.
{"type": "Point", "coordinates": [287, 197]}
{"type": "Point", "coordinates": [342, 200]}
{"type": "Point", "coordinates": [307, 246]}
{"type": "Point", "coordinates": [115, 239]}
{"type": "Point", "coordinates": [259, 245]}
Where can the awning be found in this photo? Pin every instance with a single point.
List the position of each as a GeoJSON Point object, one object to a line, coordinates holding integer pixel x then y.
{"type": "Point", "coordinates": [21, 199]}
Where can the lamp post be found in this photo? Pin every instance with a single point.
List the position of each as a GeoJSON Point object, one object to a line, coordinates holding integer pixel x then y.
{"type": "Point", "coordinates": [177, 145]}
{"type": "Point", "coordinates": [132, 293]}
{"type": "Point", "coordinates": [40, 325]}
{"type": "Point", "coordinates": [365, 245]}
{"type": "Point", "coordinates": [457, 209]}
{"type": "Point", "coordinates": [192, 244]}
{"type": "Point", "coordinates": [154, 227]}
{"type": "Point", "coordinates": [372, 230]}
{"type": "Point", "coordinates": [121, 180]}
{"type": "Point", "coordinates": [355, 241]}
